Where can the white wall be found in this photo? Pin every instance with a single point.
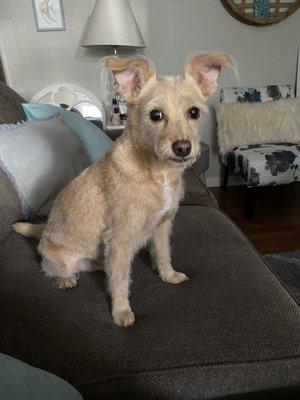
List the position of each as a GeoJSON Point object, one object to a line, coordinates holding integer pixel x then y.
{"type": "Point", "coordinates": [172, 29]}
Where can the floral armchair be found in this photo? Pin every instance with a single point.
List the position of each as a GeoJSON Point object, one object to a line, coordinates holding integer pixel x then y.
{"type": "Point", "coordinates": [261, 164]}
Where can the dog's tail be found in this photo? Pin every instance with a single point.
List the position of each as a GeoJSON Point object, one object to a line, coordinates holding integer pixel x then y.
{"type": "Point", "coordinates": [29, 230]}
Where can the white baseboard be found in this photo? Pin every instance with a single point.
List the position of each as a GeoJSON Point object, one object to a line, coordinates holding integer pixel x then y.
{"type": "Point", "coordinates": [213, 181]}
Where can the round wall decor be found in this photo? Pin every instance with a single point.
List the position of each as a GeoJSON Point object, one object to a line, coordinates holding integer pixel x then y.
{"type": "Point", "coordinates": [260, 12]}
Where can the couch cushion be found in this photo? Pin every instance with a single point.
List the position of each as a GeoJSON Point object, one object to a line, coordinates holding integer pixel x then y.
{"type": "Point", "coordinates": [11, 110]}
{"type": "Point", "coordinates": [10, 205]}
{"type": "Point", "coordinates": [269, 164]}
{"type": "Point", "coordinates": [231, 328]}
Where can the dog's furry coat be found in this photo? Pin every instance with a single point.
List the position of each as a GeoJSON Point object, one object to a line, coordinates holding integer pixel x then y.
{"type": "Point", "coordinates": [130, 197]}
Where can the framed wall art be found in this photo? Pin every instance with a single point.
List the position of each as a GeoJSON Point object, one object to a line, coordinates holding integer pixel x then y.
{"type": "Point", "coordinates": [261, 12]}
{"type": "Point", "coordinates": [48, 15]}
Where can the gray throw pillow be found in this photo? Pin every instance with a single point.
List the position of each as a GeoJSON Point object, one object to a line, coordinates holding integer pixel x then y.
{"type": "Point", "coordinates": [40, 158]}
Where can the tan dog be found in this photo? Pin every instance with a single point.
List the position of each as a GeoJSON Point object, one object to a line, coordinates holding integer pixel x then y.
{"type": "Point", "coordinates": [130, 197]}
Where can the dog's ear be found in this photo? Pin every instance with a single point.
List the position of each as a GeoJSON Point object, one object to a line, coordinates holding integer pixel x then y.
{"type": "Point", "coordinates": [205, 69]}
{"type": "Point", "coordinates": [131, 75]}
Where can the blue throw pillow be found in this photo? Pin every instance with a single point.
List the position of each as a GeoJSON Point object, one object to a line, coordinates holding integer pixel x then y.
{"type": "Point", "coordinates": [95, 141]}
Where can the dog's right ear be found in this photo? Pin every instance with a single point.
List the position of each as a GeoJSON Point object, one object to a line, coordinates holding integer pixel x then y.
{"type": "Point", "coordinates": [204, 70]}
{"type": "Point", "coordinates": [131, 75]}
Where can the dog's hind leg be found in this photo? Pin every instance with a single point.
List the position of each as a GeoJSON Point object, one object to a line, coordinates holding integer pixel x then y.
{"type": "Point", "coordinates": [58, 274]}
{"type": "Point", "coordinates": [60, 264]}
{"type": "Point", "coordinates": [64, 278]}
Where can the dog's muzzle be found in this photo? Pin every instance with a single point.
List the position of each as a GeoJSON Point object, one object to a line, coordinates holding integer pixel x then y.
{"type": "Point", "coordinates": [182, 160]}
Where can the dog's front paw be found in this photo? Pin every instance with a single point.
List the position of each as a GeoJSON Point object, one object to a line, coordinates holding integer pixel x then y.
{"type": "Point", "coordinates": [124, 318]}
{"type": "Point", "coordinates": [175, 277]}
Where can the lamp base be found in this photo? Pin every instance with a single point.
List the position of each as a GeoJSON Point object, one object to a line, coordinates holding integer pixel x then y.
{"type": "Point", "coordinates": [115, 49]}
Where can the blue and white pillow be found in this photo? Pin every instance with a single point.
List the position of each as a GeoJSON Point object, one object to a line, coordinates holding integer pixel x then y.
{"type": "Point", "coordinates": [95, 141]}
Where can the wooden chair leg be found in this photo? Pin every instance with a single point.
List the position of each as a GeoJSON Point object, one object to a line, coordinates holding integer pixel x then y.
{"type": "Point", "coordinates": [225, 177]}
{"type": "Point", "coordinates": [250, 203]}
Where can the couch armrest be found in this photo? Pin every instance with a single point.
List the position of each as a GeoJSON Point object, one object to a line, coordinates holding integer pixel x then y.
{"type": "Point", "coordinates": [11, 110]}
{"type": "Point", "coordinates": [196, 192]}
{"type": "Point", "coordinates": [10, 206]}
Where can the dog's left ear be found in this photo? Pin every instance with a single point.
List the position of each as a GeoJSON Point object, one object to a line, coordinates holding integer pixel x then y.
{"type": "Point", "coordinates": [131, 75]}
{"type": "Point", "coordinates": [205, 69]}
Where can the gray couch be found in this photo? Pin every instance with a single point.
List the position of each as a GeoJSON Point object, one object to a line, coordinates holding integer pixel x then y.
{"type": "Point", "coordinates": [231, 331]}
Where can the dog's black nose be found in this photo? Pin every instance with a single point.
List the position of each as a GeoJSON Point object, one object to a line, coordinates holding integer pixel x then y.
{"type": "Point", "coordinates": [182, 148]}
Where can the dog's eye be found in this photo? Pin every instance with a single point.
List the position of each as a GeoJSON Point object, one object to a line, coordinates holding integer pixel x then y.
{"type": "Point", "coordinates": [194, 112]}
{"type": "Point", "coordinates": [156, 115]}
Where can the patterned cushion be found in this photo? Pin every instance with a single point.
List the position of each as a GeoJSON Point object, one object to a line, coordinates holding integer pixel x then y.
{"type": "Point", "coordinates": [257, 94]}
{"type": "Point", "coordinates": [267, 164]}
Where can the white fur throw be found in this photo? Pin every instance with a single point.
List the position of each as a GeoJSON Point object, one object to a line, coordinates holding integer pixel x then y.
{"type": "Point", "coordinates": [244, 124]}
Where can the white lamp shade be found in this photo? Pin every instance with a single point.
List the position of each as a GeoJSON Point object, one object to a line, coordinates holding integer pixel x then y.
{"type": "Point", "coordinates": [112, 23]}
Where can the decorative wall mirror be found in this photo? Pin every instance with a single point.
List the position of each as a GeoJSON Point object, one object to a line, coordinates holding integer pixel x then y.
{"type": "Point", "coordinates": [260, 12]}
{"type": "Point", "coordinates": [74, 98]}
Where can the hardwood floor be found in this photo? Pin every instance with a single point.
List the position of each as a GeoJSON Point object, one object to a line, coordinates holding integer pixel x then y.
{"type": "Point", "coordinates": [276, 225]}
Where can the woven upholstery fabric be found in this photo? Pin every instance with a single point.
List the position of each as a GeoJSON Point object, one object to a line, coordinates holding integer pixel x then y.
{"type": "Point", "coordinates": [11, 110]}
{"type": "Point", "coordinates": [232, 328]}
{"type": "Point", "coordinates": [10, 205]}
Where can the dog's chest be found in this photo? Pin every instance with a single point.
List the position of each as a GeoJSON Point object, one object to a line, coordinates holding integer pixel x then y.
{"type": "Point", "coordinates": [169, 199]}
